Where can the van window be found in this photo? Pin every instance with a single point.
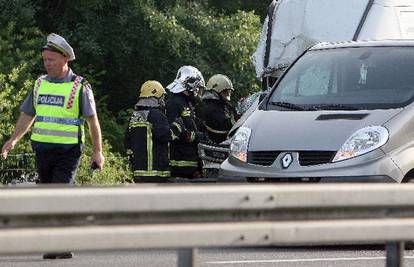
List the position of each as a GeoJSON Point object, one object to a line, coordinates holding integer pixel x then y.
{"type": "Point", "coordinates": [359, 78]}
{"type": "Point", "coordinates": [315, 80]}
{"type": "Point", "coordinates": [407, 23]}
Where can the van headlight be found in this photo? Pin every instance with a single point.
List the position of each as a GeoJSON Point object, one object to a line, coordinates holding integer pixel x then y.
{"type": "Point", "coordinates": [362, 141]}
{"type": "Point", "coordinates": [240, 143]}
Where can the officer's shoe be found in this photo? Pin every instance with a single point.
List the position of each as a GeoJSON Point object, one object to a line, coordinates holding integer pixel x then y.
{"type": "Point", "coordinates": [56, 256]}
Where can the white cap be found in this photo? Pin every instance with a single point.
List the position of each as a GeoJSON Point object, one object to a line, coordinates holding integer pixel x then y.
{"type": "Point", "coordinates": [58, 44]}
{"type": "Point", "coordinates": [188, 78]}
{"type": "Point", "coordinates": [176, 87]}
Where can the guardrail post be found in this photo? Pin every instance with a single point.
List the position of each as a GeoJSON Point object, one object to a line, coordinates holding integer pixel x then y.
{"type": "Point", "coordinates": [187, 257]}
{"type": "Point", "coordinates": [395, 254]}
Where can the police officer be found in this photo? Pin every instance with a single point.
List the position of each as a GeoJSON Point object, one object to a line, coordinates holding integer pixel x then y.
{"type": "Point", "coordinates": [58, 105]}
{"type": "Point", "coordinates": [184, 158]}
{"type": "Point", "coordinates": [147, 136]}
{"type": "Point", "coordinates": [216, 111]}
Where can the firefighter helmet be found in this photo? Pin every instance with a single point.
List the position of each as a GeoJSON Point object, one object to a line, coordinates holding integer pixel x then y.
{"type": "Point", "coordinates": [152, 89]}
{"type": "Point", "coordinates": [188, 78]}
{"type": "Point", "coordinates": [219, 83]}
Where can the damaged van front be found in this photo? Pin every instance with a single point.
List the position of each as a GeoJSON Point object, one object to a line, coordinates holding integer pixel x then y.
{"type": "Point", "coordinates": [341, 112]}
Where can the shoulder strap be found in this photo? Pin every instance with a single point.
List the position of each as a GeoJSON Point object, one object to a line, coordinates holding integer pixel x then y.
{"type": "Point", "coordinates": [36, 89]}
{"type": "Point", "coordinates": [72, 94]}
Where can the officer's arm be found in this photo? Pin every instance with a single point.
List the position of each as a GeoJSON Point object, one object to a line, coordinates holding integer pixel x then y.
{"type": "Point", "coordinates": [173, 111]}
{"type": "Point", "coordinates": [96, 137]}
{"type": "Point", "coordinates": [22, 126]}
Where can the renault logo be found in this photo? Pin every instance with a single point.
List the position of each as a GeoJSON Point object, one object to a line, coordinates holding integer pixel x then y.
{"type": "Point", "coordinates": [287, 160]}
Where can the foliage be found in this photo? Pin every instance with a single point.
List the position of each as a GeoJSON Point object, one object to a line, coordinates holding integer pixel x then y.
{"type": "Point", "coordinates": [121, 44]}
{"type": "Point", "coordinates": [227, 43]}
{"type": "Point", "coordinates": [17, 72]}
{"type": "Point", "coordinates": [19, 62]}
{"type": "Point", "coordinates": [116, 169]}
{"type": "Point", "coordinates": [113, 125]}
{"type": "Point", "coordinates": [19, 65]}
{"type": "Point", "coordinates": [230, 7]}
{"type": "Point", "coordinates": [20, 12]}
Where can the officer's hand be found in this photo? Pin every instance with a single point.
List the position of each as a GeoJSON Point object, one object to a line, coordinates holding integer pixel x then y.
{"type": "Point", "coordinates": [9, 145]}
{"type": "Point", "coordinates": [98, 159]}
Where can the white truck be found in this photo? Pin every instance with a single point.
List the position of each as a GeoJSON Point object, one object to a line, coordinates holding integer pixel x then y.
{"type": "Point", "coordinates": [292, 26]}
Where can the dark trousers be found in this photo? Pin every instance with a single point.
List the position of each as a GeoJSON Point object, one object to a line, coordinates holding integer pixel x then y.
{"type": "Point", "coordinates": [58, 166]}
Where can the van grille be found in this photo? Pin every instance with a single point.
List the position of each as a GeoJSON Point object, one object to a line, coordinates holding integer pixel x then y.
{"type": "Point", "coordinates": [306, 158]}
{"type": "Point", "coordinates": [264, 158]}
{"type": "Point", "coordinates": [219, 155]}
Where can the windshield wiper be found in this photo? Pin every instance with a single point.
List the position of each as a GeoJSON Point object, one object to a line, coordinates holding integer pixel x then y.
{"type": "Point", "coordinates": [333, 107]}
{"type": "Point", "coordinates": [288, 105]}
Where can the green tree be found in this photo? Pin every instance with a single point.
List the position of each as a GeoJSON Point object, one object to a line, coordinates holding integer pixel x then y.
{"type": "Point", "coordinates": [19, 65]}
{"type": "Point", "coordinates": [116, 169]}
{"type": "Point", "coordinates": [230, 7]}
{"type": "Point", "coordinates": [123, 43]}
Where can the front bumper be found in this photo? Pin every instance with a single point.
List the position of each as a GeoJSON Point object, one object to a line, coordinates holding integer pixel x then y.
{"type": "Point", "coordinates": [374, 166]}
{"type": "Point", "coordinates": [212, 155]}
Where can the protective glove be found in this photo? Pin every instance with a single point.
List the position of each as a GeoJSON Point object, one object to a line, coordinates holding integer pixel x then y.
{"type": "Point", "coordinates": [178, 130]}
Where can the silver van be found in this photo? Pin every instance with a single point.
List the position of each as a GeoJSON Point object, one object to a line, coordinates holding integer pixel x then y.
{"type": "Point", "coordinates": [341, 112]}
{"type": "Point", "coordinates": [292, 26]}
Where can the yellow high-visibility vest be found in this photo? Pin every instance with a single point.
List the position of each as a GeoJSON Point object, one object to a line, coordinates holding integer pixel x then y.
{"type": "Point", "coordinates": [57, 112]}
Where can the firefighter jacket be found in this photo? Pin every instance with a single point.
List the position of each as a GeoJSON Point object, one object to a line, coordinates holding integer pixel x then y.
{"type": "Point", "coordinates": [218, 116]}
{"type": "Point", "coordinates": [57, 112]}
{"type": "Point", "coordinates": [184, 159]}
{"type": "Point", "coordinates": [146, 140]}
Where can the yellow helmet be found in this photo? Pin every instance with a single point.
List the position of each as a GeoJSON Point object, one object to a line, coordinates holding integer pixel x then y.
{"type": "Point", "coordinates": [219, 83]}
{"type": "Point", "coordinates": [152, 89]}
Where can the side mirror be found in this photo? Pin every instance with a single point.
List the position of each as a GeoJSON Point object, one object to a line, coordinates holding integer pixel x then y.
{"type": "Point", "coordinates": [262, 96]}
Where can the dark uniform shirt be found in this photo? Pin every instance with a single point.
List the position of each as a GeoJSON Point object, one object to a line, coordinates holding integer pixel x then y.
{"type": "Point", "coordinates": [146, 141]}
{"type": "Point", "coordinates": [183, 150]}
{"type": "Point", "coordinates": [218, 116]}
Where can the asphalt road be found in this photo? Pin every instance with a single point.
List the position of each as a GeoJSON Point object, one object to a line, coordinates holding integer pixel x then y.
{"type": "Point", "coordinates": [361, 256]}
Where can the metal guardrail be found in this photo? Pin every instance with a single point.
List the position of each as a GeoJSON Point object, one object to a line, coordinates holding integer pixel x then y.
{"type": "Point", "coordinates": [187, 217]}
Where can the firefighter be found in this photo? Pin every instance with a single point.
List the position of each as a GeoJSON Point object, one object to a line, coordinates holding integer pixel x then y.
{"type": "Point", "coordinates": [184, 160]}
{"type": "Point", "coordinates": [216, 112]}
{"type": "Point", "coordinates": [147, 136]}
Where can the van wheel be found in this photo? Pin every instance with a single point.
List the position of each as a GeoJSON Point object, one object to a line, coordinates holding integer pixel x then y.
{"type": "Point", "coordinates": [409, 177]}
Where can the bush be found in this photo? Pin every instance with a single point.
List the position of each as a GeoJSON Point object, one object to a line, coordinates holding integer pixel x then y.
{"type": "Point", "coordinates": [116, 170]}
